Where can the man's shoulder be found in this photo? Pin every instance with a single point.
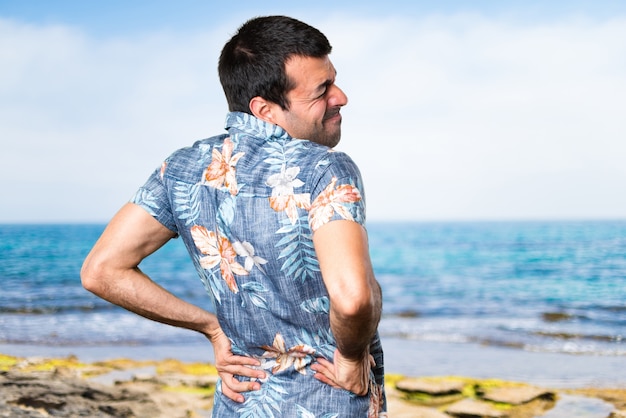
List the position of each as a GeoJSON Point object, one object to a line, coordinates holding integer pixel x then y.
{"type": "Point", "coordinates": [188, 160]}
{"type": "Point", "coordinates": [199, 147]}
{"type": "Point", "coordinates": [331, 158]}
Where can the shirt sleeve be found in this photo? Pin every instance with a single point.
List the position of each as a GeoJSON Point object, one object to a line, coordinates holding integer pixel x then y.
{"type": "Point", "coordinates": [338, 192]}
{"type": "Point", "coordinates": [153, 198]}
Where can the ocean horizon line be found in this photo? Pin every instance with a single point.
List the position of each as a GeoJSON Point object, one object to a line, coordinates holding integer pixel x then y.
{"type": "Point", "coordinates": [512, 220]}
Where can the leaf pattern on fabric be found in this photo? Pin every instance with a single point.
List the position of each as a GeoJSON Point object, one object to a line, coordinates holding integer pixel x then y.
{"type": "Point", "coordinates": [332, 200]}
{"type": "Point", "coordinates": [146, 199]}
{"type": "Point", "coordinates": [212, 284]}
{"type": "Point", "coordinates": [316, 305]}
{"type": "Point", "coordinates": [300, 261]}
{"type": "Point", "coordinates": [298, 356]}
{"type": "Point", "coordinates": [226, 215]}
{"type": "Point", "coordinates": [218, 250]}
{"type": "Point", "coordinates": [254, 291]}
{"type": "Point", "coordinates": [305, 413]}
{"type": "Point", "coordinates": [221, 172]}
{"type": "Point", "coordinates": [322, 339]}
{"type": "Point", "coordinates": [266, 402]}
{"type": "Point", "coordinates": [187, 201]}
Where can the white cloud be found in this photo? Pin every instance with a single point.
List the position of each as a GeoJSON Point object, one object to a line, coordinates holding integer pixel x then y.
{"type": "Point", "coordinates": [449, 116]}
{"type": "Point", "coordinates": [84, 121]}
{"type": "Point", "coordinates": [465, 117]}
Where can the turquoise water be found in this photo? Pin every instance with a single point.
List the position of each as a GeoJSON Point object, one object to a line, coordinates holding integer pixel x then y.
{"type": "Point", "coordinates": [534, 286]}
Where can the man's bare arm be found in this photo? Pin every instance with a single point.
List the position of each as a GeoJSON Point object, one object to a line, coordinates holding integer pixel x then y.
{"type": "Point", "coordinates": [355, 296]}
{"type": "Point", "coordinates": [111, 271]}
{"type": "Point", "coordinates": [355, 303]}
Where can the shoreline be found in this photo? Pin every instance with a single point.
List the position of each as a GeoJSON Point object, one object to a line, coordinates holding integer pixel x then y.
{"type": "Point", "coordinates": [402, 356]}
{"type": "Point", "coordinates": [33, 387]}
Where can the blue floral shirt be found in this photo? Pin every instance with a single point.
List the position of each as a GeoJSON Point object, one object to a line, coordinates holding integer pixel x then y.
{"type": "Point", "coordinates": [246, 204]}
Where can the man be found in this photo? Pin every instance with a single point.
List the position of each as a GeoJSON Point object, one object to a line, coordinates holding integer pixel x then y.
{"type": "Point", "coordinates": [273, 221]}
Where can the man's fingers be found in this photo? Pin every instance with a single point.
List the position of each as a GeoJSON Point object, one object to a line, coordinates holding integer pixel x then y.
{"type": "Point", "coordinates": [234, 396]}
{"type": "Point", "coordinates": [243, 371]}
{"type": "Point", "coordinates": [243, 366]}
{"type": "Point", "coordinates": [232, 387]}
{"type": "Point", "coordinates": [325, 379]}
{"type": "Point", "coordinates": [243, 360]}
{"type": "Point", "coordinates": [227, 381]}
{"type": "Point", "coordinates": [322, 363]}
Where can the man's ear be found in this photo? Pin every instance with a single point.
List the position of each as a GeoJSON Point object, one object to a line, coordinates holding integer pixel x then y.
{"type": "Point", "coordinates": [262, 109]}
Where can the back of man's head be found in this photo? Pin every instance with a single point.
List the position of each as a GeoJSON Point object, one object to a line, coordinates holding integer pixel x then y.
{"type": "Point", "coordinates": [252, 63]}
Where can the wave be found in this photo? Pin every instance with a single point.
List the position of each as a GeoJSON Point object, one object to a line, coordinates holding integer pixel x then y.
{"type": "Point", "coordinates": [52, 310]}
{"type": "Point", "coordinates": [561, 316]}
{"type": "Point", "coordinates": [579, 336]}
{"type": "Point", "coordinates": [566, 346]}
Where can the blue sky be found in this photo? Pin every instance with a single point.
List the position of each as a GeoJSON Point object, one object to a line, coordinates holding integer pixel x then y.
{"type": "Point", "coordinates": [459, 110]}
{"type": "Point", "coordinates": [118, 17]}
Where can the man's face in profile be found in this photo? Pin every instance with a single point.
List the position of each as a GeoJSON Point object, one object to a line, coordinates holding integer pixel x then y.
{"type": "Point", "coordinates": [314, 102]}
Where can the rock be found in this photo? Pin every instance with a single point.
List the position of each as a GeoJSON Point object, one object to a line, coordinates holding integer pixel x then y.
{"type": "Point", "coordinates": [430, 386]}
{"type": "Point", "coordinates": [175, 379]}
{"type": "Point", "coordinates": [470, 408]}
{"type": "Point", "coordinates": [517, 395]}
{"type": "Point", "coordinates": [618, 414]}
{"type": "Point", "coordinates": [42, 394]}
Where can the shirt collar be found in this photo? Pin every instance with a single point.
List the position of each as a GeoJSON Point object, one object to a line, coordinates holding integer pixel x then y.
{"type": "Point", "coordinates": [253, 126]}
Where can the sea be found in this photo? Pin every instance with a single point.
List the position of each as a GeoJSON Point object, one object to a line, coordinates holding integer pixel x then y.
{"type": "Point", "coordinates": [523, 297]}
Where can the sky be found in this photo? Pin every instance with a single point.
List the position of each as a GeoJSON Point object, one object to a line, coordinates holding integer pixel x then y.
{"type": "Point", "coordinates": [458, 110]}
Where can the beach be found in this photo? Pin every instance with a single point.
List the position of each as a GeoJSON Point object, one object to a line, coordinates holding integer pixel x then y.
{"type": "Point", "coordinates": [406, 357]}
{"type": "Point", "coordinates": [175, 380]}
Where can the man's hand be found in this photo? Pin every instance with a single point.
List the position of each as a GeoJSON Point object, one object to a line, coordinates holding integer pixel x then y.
{"type": "Point", "coordinates": [343, 373]}
{"type": "Point", "coordinates": [228, 365]}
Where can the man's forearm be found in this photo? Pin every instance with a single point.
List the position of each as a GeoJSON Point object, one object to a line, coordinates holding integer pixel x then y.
{"type": "Point", "coordinates": [353, 333]}
{"type": "Point", "coordinates": [134, 291]}
{"type": "Point", "coordinates": [111, 271]}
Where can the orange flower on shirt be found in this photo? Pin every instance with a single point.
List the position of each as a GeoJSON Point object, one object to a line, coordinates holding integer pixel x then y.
{"type": "Point", "coordinates": [218, 250]}
{"type": "Point", "coordinates": [221, 171]}
{"type": "Point", "coordinates": [296, 356]}
{"type": "Point", "coordinates": [289, 204]}
{"type": "Point", "coordinates": [330, 201]}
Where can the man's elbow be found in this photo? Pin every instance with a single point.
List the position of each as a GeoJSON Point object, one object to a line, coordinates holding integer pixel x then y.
{"type": "Point", "coordinates": [91, 277]}
{"type": "Point", "coordinates": [362, 304]}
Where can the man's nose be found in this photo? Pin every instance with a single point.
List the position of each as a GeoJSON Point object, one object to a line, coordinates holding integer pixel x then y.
{"type": "Point", "coordinates": [337, 97]}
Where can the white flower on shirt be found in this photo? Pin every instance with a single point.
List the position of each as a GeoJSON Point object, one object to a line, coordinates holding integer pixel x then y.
{"type": "Point", "coordinates": [283, 183]}
{"type": "Point", "coordinates": [246, 250]}
{"type": "Point", "coordinates": [283, 197]}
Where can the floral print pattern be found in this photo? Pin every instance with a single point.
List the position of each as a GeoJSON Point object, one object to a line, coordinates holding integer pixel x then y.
{"type": "Point", "coordinates": [218, 250]}
{"type": "Point", "coordinates": [221, 171]}
{"type": "Point", "coordinates": [246, 205]}
{"type": "Point", "coordinates": [332, 200]}
{"type": "Point", "coordinates": [298, 356]}
{"type": "Point", "coordinates": [283, 197]}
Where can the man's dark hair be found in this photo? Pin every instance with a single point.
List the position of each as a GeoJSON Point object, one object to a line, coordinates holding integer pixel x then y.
{"type": "Point", "coordinates": [252, 63]}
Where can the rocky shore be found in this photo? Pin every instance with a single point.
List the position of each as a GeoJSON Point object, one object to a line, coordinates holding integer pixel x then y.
{"type": "Point", "coordinates": [65, 387]}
